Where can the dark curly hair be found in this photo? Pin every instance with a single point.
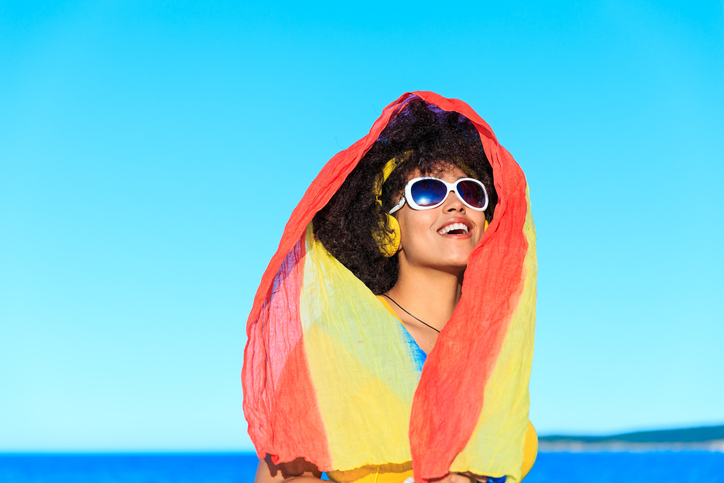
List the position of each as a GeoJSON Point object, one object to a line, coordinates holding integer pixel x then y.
{"type": "Point", "coordinates": [432, 140]}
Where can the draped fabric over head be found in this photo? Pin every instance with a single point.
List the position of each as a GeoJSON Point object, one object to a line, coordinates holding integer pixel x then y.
{"type": "Point", "coordinates": [328, 375]}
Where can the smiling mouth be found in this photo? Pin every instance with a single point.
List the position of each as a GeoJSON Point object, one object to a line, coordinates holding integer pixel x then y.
{"type": "Point", "coordinates": [454, 229]}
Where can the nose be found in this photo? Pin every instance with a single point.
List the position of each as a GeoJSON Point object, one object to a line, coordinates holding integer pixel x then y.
{"type": "Point", "coordinates": [453, 203]}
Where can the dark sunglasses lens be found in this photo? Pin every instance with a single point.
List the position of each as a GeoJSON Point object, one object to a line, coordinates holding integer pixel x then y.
{"type": "Point", "coordinates": [428, 192]}
{"type": "Point", "coordinates": [472, 193]}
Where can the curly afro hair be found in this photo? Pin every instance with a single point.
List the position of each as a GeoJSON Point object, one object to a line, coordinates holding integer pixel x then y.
{"type": "Point", "coordinates": [432, 140]}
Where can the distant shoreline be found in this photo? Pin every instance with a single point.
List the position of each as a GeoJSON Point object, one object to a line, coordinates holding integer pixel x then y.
{"type": "Point", "coordinates": [705, 438]}
{"type": "Point", "coordinates": [626, 447]}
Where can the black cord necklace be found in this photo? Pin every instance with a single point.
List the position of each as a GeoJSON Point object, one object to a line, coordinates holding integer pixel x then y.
{"type": "Point", "coordinates": [408, 313]}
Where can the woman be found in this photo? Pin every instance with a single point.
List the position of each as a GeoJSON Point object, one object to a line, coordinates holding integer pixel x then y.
{"type": "Point", "coordinates": [414, 246]}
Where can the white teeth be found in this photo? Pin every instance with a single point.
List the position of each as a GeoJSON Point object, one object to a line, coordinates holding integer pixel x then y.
{"type": "Point", "coordinates": [453, 226]}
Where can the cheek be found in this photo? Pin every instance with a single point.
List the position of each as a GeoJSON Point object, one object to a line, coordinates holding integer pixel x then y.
{"type": "Point", "coordinates": [416, 228]}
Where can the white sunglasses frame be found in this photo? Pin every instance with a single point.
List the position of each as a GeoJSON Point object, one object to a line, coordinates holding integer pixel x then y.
{"type": "Point", "coordinates": [451, 188]}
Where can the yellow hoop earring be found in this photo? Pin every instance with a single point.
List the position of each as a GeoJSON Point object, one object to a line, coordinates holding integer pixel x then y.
{"type": "Point", "coordinates": [389, 246]}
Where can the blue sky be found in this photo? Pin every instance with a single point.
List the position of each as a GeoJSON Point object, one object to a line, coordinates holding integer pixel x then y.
{"type": "Point", "coordinates": [151, 152]}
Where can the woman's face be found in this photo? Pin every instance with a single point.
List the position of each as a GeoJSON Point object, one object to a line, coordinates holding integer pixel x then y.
{"type": "Point", "coordinates": [425, 237]}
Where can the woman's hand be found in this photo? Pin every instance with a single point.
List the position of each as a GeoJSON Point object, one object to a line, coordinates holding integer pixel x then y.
{"type": "Point", "coordinates": [462, 478]}
{"type": "Point", "coordinates": [297, 470]}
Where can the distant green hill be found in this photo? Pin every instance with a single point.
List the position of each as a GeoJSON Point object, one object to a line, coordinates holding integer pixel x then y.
{"type": "Point", "coordinates": [687, 435]}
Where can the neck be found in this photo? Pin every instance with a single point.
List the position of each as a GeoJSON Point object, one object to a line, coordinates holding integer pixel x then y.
{"type": "Point", "coordinates": [428, 294]}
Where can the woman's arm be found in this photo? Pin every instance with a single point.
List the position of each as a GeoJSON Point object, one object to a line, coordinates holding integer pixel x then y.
{"type": "Point", "coordinates": [298, 471]}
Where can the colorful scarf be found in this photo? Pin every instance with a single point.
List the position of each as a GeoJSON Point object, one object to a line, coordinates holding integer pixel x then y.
{"type": "Point", "coordinates": [330, 376]}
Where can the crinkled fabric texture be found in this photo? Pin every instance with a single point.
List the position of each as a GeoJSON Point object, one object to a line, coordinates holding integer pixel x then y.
{"type": "Point", "coordinates": [329, 375]}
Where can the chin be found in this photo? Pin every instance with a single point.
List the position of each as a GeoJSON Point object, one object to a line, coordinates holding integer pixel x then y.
{"type": "Point", "coordinates": [455, 265]}
{"type": "Point", "coordinates": [458, 259]}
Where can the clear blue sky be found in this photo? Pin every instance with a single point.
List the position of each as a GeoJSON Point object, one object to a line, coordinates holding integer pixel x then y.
{"type": "Point", "coordinates": [151, 152]}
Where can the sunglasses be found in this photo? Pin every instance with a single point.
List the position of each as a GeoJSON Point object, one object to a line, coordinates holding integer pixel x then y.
{"type": "Point", "coordinates": [427, 193]}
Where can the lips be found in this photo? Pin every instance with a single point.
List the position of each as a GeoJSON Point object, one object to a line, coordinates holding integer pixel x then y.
{"type": "Point", "coordinates": [455, 227]}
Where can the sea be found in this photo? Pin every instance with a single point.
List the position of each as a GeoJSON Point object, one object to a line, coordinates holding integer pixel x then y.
{"type": "Point", "coordinates": [680, 467]}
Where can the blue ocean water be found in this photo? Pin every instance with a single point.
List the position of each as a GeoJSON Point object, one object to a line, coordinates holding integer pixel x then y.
{"type": "Point", "coordinates": [128, 468]}
{"type": "Point", "coordinates": [680, 467]}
